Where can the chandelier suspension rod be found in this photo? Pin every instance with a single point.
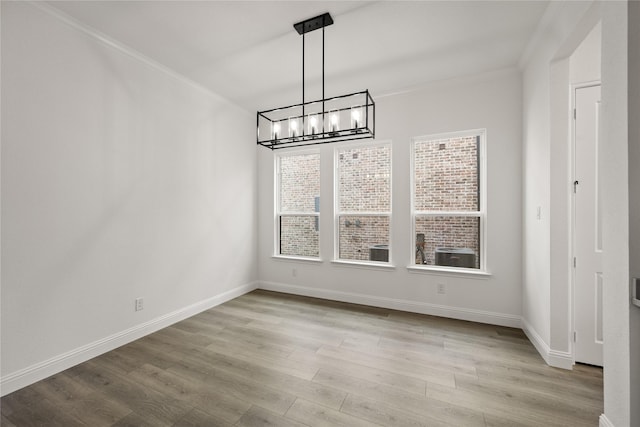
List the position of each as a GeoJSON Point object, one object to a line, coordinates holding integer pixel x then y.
{"type": "Point", "coordinates": [303, 83]}
{"type": "Point", "coordinates": [303, 66]}
{"type": "Point", "coordinates": [323, 21]}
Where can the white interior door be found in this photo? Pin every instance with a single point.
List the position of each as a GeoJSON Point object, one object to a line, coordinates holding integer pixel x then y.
{"type": "Point", "coordinates": [587, 232]}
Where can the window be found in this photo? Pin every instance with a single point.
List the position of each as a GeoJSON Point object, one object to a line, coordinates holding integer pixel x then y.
{"type": "Point", "coordinates": [298, 204]}
{"type": "Point", "coordinates": [363, 203]}
{"type": "Point", "coordinates": [448, 200]}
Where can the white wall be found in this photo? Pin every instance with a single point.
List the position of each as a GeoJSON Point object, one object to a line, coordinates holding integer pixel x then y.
{"type": "Point", "coordinates": [633, 50]}
{"type": "Point", "coordinates": [582, 66]}
{"type": "Point", "coordinates": [565, 24]}
{"type": "Point", "coordinates": [618, 402]}
{"type": "Point", "coordinates": [119, 180]}
{"type": "Point", "coordinates": [586, 60]}
{"type": "Point", "coordinates": [492, 101]}
{"type": "Point", "coordinates": [546, 248]}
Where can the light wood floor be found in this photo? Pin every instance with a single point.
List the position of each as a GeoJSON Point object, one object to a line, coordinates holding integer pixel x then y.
{"type": "Point", "coordinates": [269, 359]}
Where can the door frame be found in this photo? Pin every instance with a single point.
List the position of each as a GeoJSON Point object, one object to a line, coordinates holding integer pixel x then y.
{"type": "Point", "coordinates": [572, 223]}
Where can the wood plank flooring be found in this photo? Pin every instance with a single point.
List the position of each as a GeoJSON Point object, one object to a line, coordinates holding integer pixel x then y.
{"type": "Point", "coordinates": [270, 359]}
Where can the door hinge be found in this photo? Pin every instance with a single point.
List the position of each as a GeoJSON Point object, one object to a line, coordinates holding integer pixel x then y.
{"type": "Point", "coordinates": [575, 185]}
{"type": "Point", "coordinates": [574, 262]}
{"type": "Point", "coordinates": [575, 114]}
{"type": "Point", "coordinates": [574, 336]}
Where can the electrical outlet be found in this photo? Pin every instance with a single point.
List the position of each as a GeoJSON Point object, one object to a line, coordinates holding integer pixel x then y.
{"type": "Point", "coordinates": [139, 304]}
{"type": "Point", "coordinates": [441, 288]}
{"type": "Point", "coordinates": [294, 272]}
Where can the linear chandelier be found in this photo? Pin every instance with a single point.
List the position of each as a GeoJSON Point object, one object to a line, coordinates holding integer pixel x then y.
{"type": "Point", "coordinates": [339, 118]}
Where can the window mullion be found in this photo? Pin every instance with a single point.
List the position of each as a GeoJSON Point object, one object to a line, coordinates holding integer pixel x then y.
{"type": "Point", "coordinates": [352, 213]}
{"type": "Point", "coordinates": [303, 213]}
{"type": "Point", "coordinates": [448, 213]}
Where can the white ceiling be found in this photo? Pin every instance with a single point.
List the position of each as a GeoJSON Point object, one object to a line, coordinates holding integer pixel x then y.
{"type": "Point", "coordinates": [248, 51]}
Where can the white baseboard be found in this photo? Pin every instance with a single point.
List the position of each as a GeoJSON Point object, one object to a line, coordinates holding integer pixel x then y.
{"type": "Point", "coordinates": [604, 421]}
{"type": "Point", "coordinates": [479, 316]}
{"type": "Point", "coordinates": [24, 377]}
{"type": "Point", "coordinates": [555, 358]}
{"type": "Point", "coordinates": [560, 359]}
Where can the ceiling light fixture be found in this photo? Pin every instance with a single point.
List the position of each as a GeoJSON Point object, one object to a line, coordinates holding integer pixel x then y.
{"type": "Point", "coordinates": [340, 118]}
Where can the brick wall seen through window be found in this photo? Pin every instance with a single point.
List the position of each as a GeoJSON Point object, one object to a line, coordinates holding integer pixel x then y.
{"type": "Point", "coordinates": [298, 217]}
{"type": "Point", "coordinates": [364, 202]}
{"type": "Point", "coordinates": [446, 201]}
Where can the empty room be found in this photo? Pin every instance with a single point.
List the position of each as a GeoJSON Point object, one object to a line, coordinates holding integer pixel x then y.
{"type": "Point", "coordinates": [320, 213]}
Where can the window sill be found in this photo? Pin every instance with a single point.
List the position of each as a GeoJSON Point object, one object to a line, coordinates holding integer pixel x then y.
{"type": "Point", "coordinates": [364, 265]}
{"type": "Point", "coordinates": [444, 271]}
{"type": "Point", "coordinates": [302, 259]}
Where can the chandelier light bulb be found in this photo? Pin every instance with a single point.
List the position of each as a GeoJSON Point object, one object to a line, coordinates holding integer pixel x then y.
{"type": "Point", "coordinates": [334, 120]}
{"type": "Point", "coordinates": [355, 117]}
{"type": "Point", "coordinates": [293, 127]}
{"type": "Point", "coordinates": [313, 124]}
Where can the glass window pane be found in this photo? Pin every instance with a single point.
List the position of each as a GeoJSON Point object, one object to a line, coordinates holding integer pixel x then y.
{"type": "Point", "coordinates": [446, 175]}
{"type": "Point", "coordinates": [364, 238]}
{"type": "Point", "coordinates": [299, 236]}
{"type": "Point", "coordinates": [365, 179]}
{"type": "Point", "coordinates": [451, 241]}
{"type": "Point", "coordinates": [299, 182]}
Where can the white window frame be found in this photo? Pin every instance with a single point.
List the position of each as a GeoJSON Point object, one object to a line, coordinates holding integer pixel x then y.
{"type": "Point", "coordinates": [481, 213]}
{"type": "Point", "coordinates": [338, 213]}
{"type": "Point", "coordinates": [278, 214]}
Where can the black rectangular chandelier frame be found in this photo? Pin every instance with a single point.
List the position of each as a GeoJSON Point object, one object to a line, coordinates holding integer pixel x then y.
{"type": "Point", "coordinates": [339, 118]}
